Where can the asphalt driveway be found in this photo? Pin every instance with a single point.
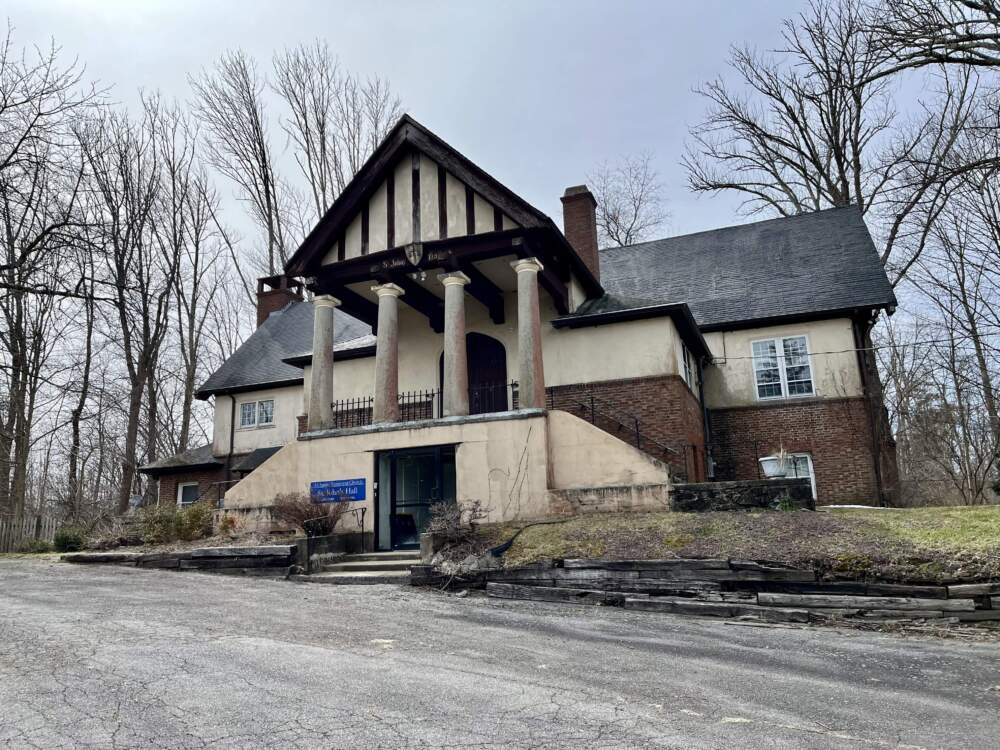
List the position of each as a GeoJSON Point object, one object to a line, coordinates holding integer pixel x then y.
{"type": "Point", "coordinates": [118, 657]}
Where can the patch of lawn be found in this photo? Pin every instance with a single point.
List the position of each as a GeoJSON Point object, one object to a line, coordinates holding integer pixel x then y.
{"type": "Point", "coordinates": [971, 529]}
{"type": "Point", "coordinates": [923, 544]}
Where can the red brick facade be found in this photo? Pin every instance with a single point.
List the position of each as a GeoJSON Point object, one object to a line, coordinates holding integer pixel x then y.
{"type": "Point", "coordinates": [836, 433]}
{"type": "Point", "coordinates": [669, 415]}
{"type": "Point", "coordinates": [206, 479]}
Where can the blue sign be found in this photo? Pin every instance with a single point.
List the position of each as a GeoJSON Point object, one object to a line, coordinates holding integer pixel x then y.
{"type": "Point", "coordinates": [335, 490]}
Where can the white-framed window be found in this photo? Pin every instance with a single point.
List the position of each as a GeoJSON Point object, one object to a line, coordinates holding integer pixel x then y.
{"type": "Point", "coordinates": [796, 465]}
{"type": "Point", "coordinates": [187, 493]}
{"type": "Point", "coordinates": [257, 413]}
{"type": "Point", "coordinates": [688, 368]}
{"type": "Point", "coordinates": [781, 367]}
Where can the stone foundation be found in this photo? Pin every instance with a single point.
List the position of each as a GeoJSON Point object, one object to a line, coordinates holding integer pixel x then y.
{"type": "Point", "coordinates": [759, 494]}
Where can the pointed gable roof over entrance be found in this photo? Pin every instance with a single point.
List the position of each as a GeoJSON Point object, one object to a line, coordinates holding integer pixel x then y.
{"type": "Point", "coordinates": [389, 165]}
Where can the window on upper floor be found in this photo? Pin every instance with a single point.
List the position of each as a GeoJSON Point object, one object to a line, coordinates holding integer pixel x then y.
{"type": "Point", "coordinates": [688, 368]}
{"type": "Point", "coordinates": [257, 413]}
{"type": "Point", "coordinates": [781, 367]}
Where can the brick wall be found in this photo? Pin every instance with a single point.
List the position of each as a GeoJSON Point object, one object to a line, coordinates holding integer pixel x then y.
{"type": "Point", "coordinates": [835, 432]}
{"type": "Point", "coordinates": [668, 413]}
{"type": "Point", "coordinates": [204, 477]}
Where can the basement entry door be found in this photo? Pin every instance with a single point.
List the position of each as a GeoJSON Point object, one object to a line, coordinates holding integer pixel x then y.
{"type": "Point", "coordinates": [409, 482]}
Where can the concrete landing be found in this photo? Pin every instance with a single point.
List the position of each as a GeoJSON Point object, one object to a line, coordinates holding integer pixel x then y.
{"type": "Point", "coordinates": [367, 568]}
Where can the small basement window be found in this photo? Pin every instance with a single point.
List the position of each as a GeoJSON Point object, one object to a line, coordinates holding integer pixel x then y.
{"type": "Point", "coordinates": [794, 466]}
{"type": "Point", "coordinates": [187, 493]}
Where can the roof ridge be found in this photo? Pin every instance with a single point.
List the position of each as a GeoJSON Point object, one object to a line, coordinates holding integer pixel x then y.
{"type": "Point", "coordinates": [731, 226]}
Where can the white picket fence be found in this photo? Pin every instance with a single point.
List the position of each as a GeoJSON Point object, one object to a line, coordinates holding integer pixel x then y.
{"type": "Point", "coordinates": [15, 533]}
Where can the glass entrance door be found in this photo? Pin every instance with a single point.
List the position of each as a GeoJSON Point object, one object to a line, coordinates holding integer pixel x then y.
{"type": "Point", "coordinates": [409, 483]}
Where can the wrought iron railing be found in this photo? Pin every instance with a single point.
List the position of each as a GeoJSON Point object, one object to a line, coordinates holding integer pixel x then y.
{"type": "Point", "coordinates": [425, 403]}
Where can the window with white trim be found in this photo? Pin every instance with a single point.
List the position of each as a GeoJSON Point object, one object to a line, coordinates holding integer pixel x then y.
{"type": "Point", "coordinates": [257, 413]}
{"type": "Point", "coordinates": [687, 362]}
{"type": "Point", "coordinates": [796, 465]}
{"type": "Point", "coordinates": [187, 493]}
{"type": "Point", "coordinates": [781, 367]}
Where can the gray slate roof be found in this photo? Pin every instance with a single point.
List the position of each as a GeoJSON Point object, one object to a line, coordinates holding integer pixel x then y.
{"type": "Point", "coordinates": [200, 456]}
{"type": "Point", "coordinates": [799, 265]}
{"type": "Point", "coordinates": [284, 334]}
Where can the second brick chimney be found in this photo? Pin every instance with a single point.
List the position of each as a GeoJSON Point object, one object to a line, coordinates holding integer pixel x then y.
{"type": "Point", "coordinates": [273, 293]}
{"type": "Point", "coordinates": [580, 225]}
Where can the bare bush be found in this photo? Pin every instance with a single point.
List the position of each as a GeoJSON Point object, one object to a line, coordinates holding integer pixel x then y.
{"type": "Point", "coordinates": [315, 519]}
{"type": "Point", "coordinates": [455, 523]}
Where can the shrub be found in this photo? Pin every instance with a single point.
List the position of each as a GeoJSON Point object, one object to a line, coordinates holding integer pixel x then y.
{"type": "Point", "coordinates": [35, 546]}
{"type": "Point", "coordinates": [315, 519]}
{"type": "Point", "coordinates": [195, 521]}
{"type": "Point", "coordinates": [228, 525]}
{"type": "Point", "coordinates": [456, 524]}
{"type": "Point", "coordinates": [161, 524]}
{"type": "Point", "coordinates": [69, 539]}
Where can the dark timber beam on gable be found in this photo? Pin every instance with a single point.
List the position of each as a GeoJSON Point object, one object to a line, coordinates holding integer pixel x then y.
{"type": "Point", "coordinates": [420, 299]}
{"type": "Point", "coordinates": [483, 291]}
{"type": "Point", "coordinates": [551, 278]}
{"type": "Point", "coordinates": [357, 306]}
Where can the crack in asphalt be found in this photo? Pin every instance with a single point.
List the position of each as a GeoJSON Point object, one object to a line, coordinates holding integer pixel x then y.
{"type": "Point", "coordinates": [122, 658]}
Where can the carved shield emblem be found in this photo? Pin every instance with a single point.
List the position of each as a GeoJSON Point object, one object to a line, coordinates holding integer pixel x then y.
{"type": "Point", "coordinates": [415, 253]}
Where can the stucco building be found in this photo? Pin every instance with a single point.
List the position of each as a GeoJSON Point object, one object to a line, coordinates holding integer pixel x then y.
{"type": "Point", "coordinates": [456, 345]}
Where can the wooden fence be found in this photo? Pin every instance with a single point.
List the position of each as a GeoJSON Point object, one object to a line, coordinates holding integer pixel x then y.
{"type": "Point", "coordinates": [14, 533]}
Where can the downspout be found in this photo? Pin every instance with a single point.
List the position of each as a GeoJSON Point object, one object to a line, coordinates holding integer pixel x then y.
{"type": "Point", "coordinates": [862, 355]}
{"type": "Point", "coordinates": [232, 436]}
{"type": "Point", "coordinates": [706, 424]}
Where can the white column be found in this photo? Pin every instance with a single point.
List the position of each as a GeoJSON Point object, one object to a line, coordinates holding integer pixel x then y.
{"type": "Point", "coordinates": [456, 366]}
{"type": "Point", "coordinates": [386, 406]}
{"type": "Point", "coordinates": [321, 383]}
{"type": "Point", "coordinates": [531, 376]}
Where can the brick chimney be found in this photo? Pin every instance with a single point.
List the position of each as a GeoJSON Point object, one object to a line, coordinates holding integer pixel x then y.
{"type": "Point", "coordinates": [580, 225]}
{"type": "Point", "coordinates": [273, 293]}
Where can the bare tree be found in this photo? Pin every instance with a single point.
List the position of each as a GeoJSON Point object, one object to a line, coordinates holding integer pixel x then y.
{"type": "Point", "coordinates": [918, 33]}
{"type": "Point", "coordinates": [817, 129]}
{"type": "Point", "coordinates": [126, 175]}
{"type": "Point", "coordinates": [335, 119]}
{"type": "Point", "coordinates": [230, 105]}
{"type": "Point", "coordinates": [630, 202]}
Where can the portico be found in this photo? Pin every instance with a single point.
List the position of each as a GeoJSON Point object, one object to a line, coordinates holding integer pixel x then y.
{"type": "Point", "coordinates": [447, 293]}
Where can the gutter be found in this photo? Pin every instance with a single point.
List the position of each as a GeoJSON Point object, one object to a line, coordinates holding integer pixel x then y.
{"type": "Point", "coordinates": [680, 313]}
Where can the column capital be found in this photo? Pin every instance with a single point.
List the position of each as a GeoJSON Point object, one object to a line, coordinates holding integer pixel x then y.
{"type": "Point", "coordinates": [326, 300]}
{"type": "Point", "coordinates": [455, 277]}
{"type": "Point", "coordinates": [388, 290]}
{"type": "Point", "coordinates": [527, 264]}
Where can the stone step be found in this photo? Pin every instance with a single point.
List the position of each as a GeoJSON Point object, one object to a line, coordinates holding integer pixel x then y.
{"type": "Point", "coordinates": [375, 566]}
{"type": "Point", "coordinates": [400, 554]}
{"type": "Point", "coordinates": [356, 578]}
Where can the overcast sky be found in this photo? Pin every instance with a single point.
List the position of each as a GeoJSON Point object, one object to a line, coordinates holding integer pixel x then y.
{"type": "Point", "coordinates": [537, 93]}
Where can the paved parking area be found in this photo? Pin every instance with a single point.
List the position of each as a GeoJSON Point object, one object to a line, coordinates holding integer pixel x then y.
{"type": "Point", "coordinates": [125, 658]}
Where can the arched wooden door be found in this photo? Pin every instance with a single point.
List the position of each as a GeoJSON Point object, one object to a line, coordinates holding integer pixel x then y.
{"type": "Point", "coordinates": [487, 360]}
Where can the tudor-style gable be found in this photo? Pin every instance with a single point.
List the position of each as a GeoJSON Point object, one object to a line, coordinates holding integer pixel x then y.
{"type": "Point", "coordinates": [419, 200]}
{"type": "Point", "coordinates": [417, 207]}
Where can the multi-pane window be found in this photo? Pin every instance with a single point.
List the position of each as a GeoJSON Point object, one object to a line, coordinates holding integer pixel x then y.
{"type": "Point", "coordinates": [688, 364]}
{"type": "Point", "coordinates": [793, 465]}
{"type": "Point", "coordinates": [257, 413]}
{"type": "Point", "coordinates": [781, 367]}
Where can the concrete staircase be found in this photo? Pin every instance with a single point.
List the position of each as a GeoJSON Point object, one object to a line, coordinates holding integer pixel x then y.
{"type": "Point", "coordinates": [368, 568]}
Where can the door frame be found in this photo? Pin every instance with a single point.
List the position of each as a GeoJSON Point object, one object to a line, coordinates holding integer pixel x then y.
{"type": "Point", "coordinates": [389, 485]}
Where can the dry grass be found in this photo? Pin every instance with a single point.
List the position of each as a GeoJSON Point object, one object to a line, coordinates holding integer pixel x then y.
{"type": "Point", "coordinates": [905, 544]}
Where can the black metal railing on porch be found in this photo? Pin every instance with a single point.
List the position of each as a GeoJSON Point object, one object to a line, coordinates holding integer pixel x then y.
{"type": "Point", "coordinates": [425, 403]}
